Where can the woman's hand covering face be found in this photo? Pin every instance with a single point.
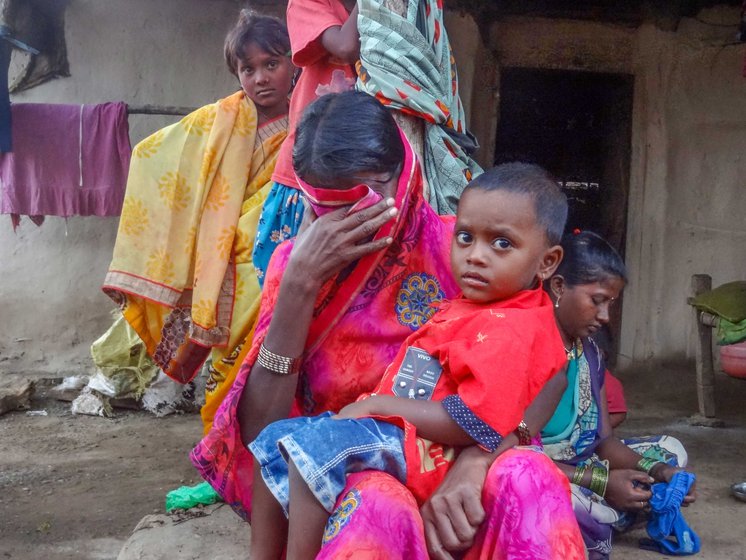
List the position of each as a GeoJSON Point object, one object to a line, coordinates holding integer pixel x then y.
{"type": "Point", "coordinates": [333, 241]}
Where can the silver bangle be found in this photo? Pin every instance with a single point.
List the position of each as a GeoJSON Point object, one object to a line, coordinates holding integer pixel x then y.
{"type": "Point", "coordinates": [279, 365]}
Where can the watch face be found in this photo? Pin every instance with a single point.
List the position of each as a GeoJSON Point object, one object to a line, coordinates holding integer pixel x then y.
{"type": "Point", "coordinates": [417, 376]}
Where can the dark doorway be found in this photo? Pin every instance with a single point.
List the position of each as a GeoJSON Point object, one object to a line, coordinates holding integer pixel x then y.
{"type": "Point", "coordinates": [578, 126]}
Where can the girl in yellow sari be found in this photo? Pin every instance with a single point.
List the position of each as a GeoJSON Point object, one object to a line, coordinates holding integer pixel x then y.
{"type": "Point", "coordinates": [182, 271]}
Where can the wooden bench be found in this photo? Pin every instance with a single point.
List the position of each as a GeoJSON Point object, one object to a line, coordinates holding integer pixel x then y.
{"type": "Point", "coordinates": [704, 360]}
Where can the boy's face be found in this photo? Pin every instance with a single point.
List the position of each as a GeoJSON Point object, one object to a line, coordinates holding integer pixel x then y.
{"type": "Point", "coordinates": [498, 247]}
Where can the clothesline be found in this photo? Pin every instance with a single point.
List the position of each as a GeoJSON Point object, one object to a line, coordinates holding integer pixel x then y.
{"type": "Point", "coordinates": [159, 110]}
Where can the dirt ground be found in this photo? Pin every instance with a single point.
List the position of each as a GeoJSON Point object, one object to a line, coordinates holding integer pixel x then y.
{"type": "Point", "coordinates": [74, 487]}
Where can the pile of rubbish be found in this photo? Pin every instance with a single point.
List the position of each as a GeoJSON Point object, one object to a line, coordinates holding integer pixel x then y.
{"type": "Point", "coordinates": [126, 377]}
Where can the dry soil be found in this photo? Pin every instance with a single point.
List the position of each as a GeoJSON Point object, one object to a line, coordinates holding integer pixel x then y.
{"type": "Point", "coordinates": [74, 487]}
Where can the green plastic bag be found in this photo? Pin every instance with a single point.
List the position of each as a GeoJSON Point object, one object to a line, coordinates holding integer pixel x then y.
{"type": "Point", "coordinates": [124, 368]}
{"type": "Point", "coordinates": [730, 333]}
{"type": "Point", "coordinates": [187, 497]}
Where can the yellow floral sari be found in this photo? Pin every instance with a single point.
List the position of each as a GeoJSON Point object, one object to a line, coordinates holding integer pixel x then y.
{"type": "Point", "coordinates": [182, 271]}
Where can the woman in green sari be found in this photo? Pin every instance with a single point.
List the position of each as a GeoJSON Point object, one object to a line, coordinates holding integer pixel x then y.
{"type": "Point", "coordinates": [610, 479]}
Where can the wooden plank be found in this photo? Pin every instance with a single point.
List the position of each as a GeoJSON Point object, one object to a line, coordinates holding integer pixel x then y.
{"type": "Point", "coordinates": [159, 110]}
{"type": "Point", "coordinates": [705, 370]}
{"type": "Point", "coordinates": [709, 320]}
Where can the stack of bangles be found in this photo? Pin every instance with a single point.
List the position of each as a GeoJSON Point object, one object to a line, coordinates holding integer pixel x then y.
{"type": "Point", "coordinates": [277, 364]}
{"type": "Point", "coordinates": [599, 478]}
{"type": "Point", "coordinates": [647, 464]}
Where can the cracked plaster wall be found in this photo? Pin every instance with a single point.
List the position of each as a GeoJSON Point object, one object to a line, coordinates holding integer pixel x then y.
{"type": "Point", "coordinates": [688, 169]}
{"type": "Point", "coordinates": [165, 53]}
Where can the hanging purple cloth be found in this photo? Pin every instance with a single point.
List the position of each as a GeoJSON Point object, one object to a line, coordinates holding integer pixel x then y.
{"type": "Point", "coordinates": [67, 160]}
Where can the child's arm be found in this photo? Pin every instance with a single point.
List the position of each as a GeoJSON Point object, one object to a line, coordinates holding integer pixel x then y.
{"type": "Point", "coordinates": [429, 417]}
{"type": "Point", "coordinates": [538, 412]}
{"type": "Point", "coordinates": [616, 418]}
{"type": "Point", "coordinates": [343, 41]}
{"type": "Point", "coordinates": [542, 408]}
{"type": "Point", "coordinates": [433, 422]}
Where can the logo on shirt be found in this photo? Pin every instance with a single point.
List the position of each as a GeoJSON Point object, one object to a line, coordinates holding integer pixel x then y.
{"type": "Point", "coordinates": [417, 376]}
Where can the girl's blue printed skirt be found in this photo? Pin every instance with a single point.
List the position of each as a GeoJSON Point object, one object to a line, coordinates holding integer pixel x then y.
{"type": "Point", "coordinates": [280, 219]}
{"type": "Point", "coordinates": [325, 450]}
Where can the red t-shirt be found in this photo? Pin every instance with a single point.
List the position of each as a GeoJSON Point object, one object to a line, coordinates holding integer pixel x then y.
{"type": "Point", "coordinates": [495, 357]}
{"type": "Point", "coordinates": [321, 72]}
{"type": "Point", "coordinates": [614, 394]}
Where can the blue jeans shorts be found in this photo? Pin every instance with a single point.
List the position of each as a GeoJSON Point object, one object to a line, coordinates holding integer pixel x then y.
{"type": "Point", "coordinates": [325, 450]}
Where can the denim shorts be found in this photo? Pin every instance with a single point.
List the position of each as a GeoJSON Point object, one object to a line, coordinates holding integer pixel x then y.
{"type": "Point", "coordinates": [325, 450]}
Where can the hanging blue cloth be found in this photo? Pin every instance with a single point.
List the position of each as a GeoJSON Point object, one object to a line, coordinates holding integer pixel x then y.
{"type": "Point", "coordinates": [667, 521]}
{"type": "Point", "coordinates": [6, 144]}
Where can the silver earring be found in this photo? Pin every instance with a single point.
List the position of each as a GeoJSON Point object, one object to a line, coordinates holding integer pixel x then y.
{"type": "Point", "coordinates": [556, 303]}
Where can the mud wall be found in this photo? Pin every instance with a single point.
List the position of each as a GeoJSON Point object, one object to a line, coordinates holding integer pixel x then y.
{"type": "Point", "coordinates": [686, 208]}
{"type": "Point", "coordinates": [137, 51]}
{"type": "Point", "coordinates": [686, 205]}
{"type": "Point", "coordinates": [688, 177]}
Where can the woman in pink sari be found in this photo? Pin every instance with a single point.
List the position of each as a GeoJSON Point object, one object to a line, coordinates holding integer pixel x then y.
{"type": "Point", "coordinates": [337, 303]}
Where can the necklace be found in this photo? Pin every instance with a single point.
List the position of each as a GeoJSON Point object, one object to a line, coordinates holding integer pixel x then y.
{"type": "Point", "coordinates": [572, 351]}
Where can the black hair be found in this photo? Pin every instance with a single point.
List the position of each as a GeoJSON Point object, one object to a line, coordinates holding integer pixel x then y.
{"type": "Point", "coordinates": [342, 134]}
{"type": "Point", "coordinates": [588, 259]}
{"type": "Point", "coordinates": [550, 203]}
{"type": "Point", "coordinates": [268, 33]}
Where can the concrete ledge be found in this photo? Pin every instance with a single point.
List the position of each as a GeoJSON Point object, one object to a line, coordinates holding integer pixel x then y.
{"type": "Point", "coordinates": [213, 532]}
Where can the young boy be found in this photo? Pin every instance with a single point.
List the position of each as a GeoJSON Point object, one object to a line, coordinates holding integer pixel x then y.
{"type": "Point", "coordinates": [464, 378]}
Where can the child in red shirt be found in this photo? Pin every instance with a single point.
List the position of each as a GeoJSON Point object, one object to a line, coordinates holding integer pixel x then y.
{"type": "Point", "coordinates": [464, 378]}
{"type": "Point", "coordinates": [615, 399]}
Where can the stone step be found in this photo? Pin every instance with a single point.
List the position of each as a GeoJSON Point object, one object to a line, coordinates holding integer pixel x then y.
{"type": "Point", "coordinates": [213, 532]}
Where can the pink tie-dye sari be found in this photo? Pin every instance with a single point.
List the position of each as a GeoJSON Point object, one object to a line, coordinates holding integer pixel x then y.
{"type": "Point", "coordinates": [359, 324]}
{"type": "Point", "coordinates": [528, 516]}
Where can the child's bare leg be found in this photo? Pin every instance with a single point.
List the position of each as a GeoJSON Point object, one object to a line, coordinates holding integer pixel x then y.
{"type": "Point", "coordinates": [269, 528]}
{"type": "Point", "coordinates": [307, 519]}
